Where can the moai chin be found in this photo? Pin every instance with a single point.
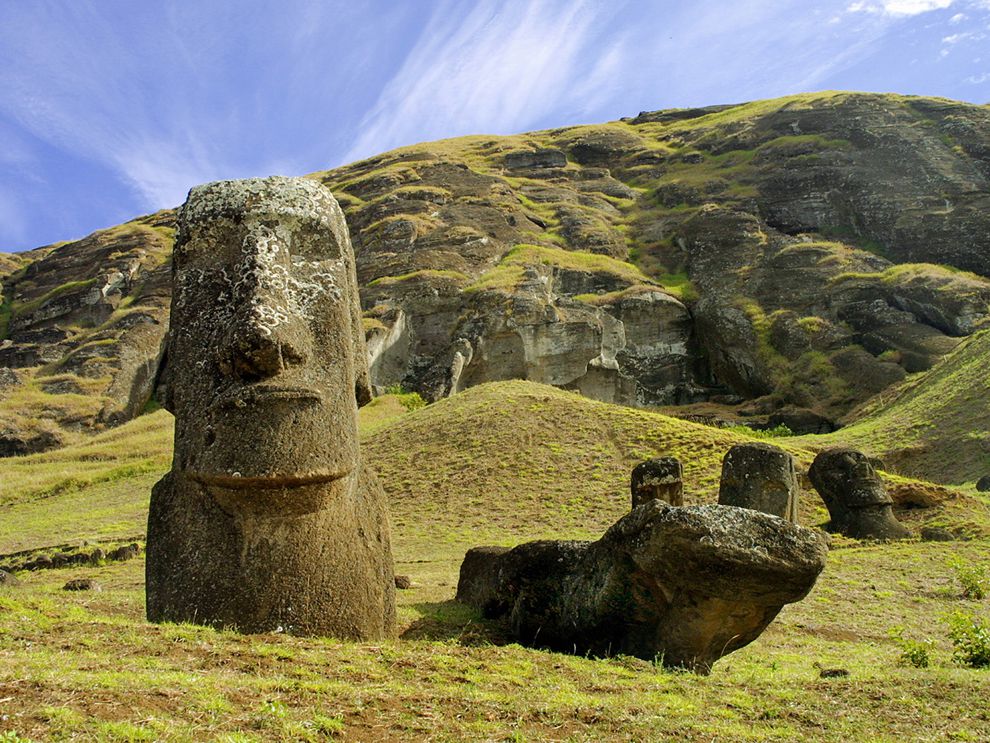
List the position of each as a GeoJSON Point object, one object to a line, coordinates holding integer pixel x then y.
{"type": "Point", "coordinates": [761, 477]}
{"type": "Point", "coordinates": [657, 479]}
{"type": "Point", "coordinates": [854, 495]}
{"type": "Point", "coordinates": [268, 521]}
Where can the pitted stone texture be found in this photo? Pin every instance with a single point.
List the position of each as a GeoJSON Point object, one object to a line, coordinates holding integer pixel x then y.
{"type": "Point", "coordinates": [761, 477]}
{"type": "Point", "coordinates": [684, 586]}
{"type": "Point", "coordinates": [657, 479]}
{"type": "Point", "coordinates": [268, 520]}
{"type": "Point", "coordinates": [854, 495]}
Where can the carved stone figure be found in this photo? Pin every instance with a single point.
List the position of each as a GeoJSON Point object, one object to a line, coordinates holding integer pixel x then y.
{"type": "Point", "coordinates": [762, 477]}
{"type": "Point", "coordinates": [268, 520]}
{"type": "Point", "coordinates": [684, 586]}
{"type": "Point", "coordinates": [854, 495]}
{"type": "Point", "coordinates": [657, 479]}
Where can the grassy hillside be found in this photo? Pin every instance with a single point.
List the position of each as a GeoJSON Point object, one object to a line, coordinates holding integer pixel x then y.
{"type": "Point", "coordinates": [937, 425]}
{"type": "Point", "coordinates": [499, 463]}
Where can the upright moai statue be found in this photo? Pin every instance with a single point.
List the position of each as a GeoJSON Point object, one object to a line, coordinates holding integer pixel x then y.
{"type": "Point", "coordinates": [268, 520]}
{"type": "Point", "coordinates": [761, 477]}
{"type": "Point", "coordinates": [854, 495]}
{"type": "Point", "coordinates": [657, 479]}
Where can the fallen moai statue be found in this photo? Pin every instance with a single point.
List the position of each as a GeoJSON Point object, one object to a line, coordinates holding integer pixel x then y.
{"type": "Point", "coordinates": [856, 499]}
{"type": "Point", "coordinates": [682, 586]}
{"type": "Point", "coordinates": [269, 520]}
{"type": "Point", "coordinates": [762, 477]}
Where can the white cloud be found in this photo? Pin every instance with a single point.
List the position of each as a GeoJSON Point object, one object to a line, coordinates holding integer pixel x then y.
{"type": "Point", "coordinates": [497, 68]}
{"type": "Point", "coordinates": [957, 18]}
{"type": "Point", "coordinates": [978, 79]}
{"type": "Point", "coordinates": [898, 8]}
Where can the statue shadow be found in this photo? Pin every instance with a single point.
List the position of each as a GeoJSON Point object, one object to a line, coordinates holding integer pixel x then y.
{"type": "Point", "coordinates": [453, 621]}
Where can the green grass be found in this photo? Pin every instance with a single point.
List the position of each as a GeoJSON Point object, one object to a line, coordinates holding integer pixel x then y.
{"type": "Point", "coordinates": [508, 274]}
{"type": "Point", "coordinates": [500, 463]}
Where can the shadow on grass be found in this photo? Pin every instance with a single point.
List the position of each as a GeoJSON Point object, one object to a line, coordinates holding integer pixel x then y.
{"type": "Point", "coordinates": [453, 621]}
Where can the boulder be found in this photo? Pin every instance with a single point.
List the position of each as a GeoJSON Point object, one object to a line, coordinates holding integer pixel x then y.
{"type": "Point", "coordinates": [657, 479]}
{"type": "Point", "coordinates": [857, 502]}
{"type": "Point", "coordinates": [761, 477]}
{"type": "Point", "coordinates": [681, 586]}
{"type": "Point", "coordinates": [983, 484]}
{"type": "Point", "coordinates": [269, 520]}
{"type": "Point", "coordinates": [6, 579]}
{"type": "Point", "coordinates": [82, 584]}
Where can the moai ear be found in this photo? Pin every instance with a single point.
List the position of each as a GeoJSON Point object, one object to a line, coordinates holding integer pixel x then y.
{"type": "Point", "coordinates": [362, 376]}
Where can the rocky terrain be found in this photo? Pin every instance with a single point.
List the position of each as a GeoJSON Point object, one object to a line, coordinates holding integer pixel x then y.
{"type": "Point", "coordinates": [794, 256]}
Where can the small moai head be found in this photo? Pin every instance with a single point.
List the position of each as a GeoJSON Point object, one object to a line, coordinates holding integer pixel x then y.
{"type": "Point", "coordinates": [854, 494]}
{"type": "Point", "coordinates": [761, 477]}
{"type": "Point", "coordinates": [266, 352]}
{"type": "Point", "coordinates": [657, 479]}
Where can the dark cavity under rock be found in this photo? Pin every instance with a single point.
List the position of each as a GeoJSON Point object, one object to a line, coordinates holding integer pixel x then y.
{"type": "Point", "coordinates": [681, 586]}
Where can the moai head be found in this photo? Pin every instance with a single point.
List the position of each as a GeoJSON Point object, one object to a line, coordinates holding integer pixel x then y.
{"type": "Point", "coordinates": [266, 342]}
{"type": "Point", "coordinates": [854, 495]}
{"type": "Point", "coordinates": [760, 477]}
{"type": "Point", "coordinates": [657, 479]}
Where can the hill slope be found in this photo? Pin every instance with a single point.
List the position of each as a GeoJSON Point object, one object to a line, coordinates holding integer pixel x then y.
{"type": "Point", "coordinates": [806, 251]}
{"type": "Point", "coordinates": [499, 462]}
{"type": "Point", "coordinates": [937, 425]}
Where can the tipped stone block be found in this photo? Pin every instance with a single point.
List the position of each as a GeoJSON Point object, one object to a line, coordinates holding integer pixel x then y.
{"type": "Point", "coordinates": [760, 477]}
{"type": "Point", "coordinates": [657, 479]}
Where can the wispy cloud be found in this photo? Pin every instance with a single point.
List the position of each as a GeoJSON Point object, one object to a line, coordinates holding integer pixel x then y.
{"type": "Point", "coordinates": [898, 8]}
{"type": "Point", "coordinates": [497, 68]}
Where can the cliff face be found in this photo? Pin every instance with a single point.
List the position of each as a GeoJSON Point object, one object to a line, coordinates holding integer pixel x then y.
{"type": "Point", "coordinates": [806, 251]}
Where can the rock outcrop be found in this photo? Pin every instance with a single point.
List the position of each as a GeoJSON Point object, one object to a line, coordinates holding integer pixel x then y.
{"type": "Point", "coordinates": [857, 502]}
{"type": "Point", "coordinates": [682, 586]}
{"type": "Point", "coordinates": [269, 521]}
{"type": "Point", "coordinates": [810, 251]}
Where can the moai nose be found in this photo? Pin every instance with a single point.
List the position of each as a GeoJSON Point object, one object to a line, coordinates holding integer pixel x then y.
{"type": "Point", "coordinates": [264, 337]}
{"type": "Point", "coordinates": [253, 351]}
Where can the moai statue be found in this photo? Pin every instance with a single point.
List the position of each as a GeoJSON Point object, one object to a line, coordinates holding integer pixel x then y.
{"type": "Point", "coordinates": [761, 477]}
{"type": "Point", "coordinates": [268, 520]}
{"type": "Point", "coordinates": [657, 479]}
{"type": "Point", "coordinates": [854, 495]}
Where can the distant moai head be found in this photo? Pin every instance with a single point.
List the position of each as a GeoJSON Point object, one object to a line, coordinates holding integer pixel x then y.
{"type": "Point", "coordinates": [657, 479]}
{"type": "Point", "coordinates": [761, 477]}
{"type": "Point", "coordinates": [266, 345]}
{"type": "Point", "coordinates": [854, 494]}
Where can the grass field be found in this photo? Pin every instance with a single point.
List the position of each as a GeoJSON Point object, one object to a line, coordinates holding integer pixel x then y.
{"type": "Point", "coordinates": [500, 463]}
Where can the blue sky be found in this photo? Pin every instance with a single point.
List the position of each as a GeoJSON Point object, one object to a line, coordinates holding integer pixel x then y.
{"type": "Point", "coordinates": [114, 108]}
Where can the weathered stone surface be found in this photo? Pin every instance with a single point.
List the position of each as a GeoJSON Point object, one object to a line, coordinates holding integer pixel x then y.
{"type": "Point", "coordinates": [82, 584]}
{"type": "Point", "coordinates": [8, 580]}
{"type": "Point", "coordinates": [854, 495]}
{"type": "Point", "coordinates": [983, 484]}
{"type": "Point", "coordinates": [268, 520]}
{"type": "Point", "coordinates": [660, 479]}
{"type": "Point", "coordinates": [684, 586]}
{"type": "Point", "coordinates": [124, 552]}
{"type": "Point", "coordinates": [761, 477]}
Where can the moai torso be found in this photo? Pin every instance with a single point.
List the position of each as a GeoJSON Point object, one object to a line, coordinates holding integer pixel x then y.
{"type": "Point", "coordinates": [268, 521]}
